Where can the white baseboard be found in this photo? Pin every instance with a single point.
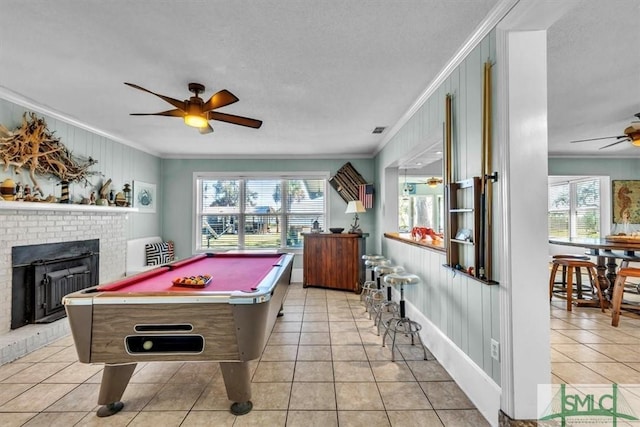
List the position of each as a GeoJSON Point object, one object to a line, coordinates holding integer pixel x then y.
{"type": "Point", "coordinates": [481, 389]}
{"type": "Point", "coordinates": [296, 275]}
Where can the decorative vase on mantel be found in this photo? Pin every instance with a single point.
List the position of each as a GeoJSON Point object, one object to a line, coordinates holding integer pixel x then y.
{"type": "Point", "coordinates": [8, 189]}
{"type": "Point", "coordinates": [64, 198]}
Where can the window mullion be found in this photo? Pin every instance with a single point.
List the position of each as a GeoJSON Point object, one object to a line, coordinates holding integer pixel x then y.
{"type": "Point", "coordinates": [284, 221]}
{"type": "Point", "coordinates": [241, 214]}
{"type": "Point", "coordinates": [573, 195]}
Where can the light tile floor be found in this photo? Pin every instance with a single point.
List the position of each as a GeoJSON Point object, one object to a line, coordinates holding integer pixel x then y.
{"type": "Point", "coordinates": [323, 366]}
{"type": "Point", "coordinates": [585, 345]}
{"type": "Point", "coordinates": [585, 348]}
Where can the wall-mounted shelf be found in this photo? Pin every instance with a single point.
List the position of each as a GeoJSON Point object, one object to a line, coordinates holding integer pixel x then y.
{"type": "Point", "coordinates": [42, 206]}
{"type": "Point", "coordinates": [462, 242]}
{"type": "Point", "coordinates": [473, 276]}
{"type": "Point", "coordinates": [463, 212]}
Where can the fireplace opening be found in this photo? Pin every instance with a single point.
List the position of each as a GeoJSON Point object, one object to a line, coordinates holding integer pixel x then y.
{"type": "Point", "coordinates": [43, 274]}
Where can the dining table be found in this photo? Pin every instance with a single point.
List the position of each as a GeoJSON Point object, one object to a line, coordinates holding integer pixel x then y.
{"type": "Point", "coordinates": [606, 259]}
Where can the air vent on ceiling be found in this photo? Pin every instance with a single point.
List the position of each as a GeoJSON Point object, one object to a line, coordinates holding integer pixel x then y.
{"type": "Point", "coordinates": [379, 129]}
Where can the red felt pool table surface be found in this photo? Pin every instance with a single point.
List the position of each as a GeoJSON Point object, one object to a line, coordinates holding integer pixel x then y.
{"type": "Point", "coordinates": [229, 272]}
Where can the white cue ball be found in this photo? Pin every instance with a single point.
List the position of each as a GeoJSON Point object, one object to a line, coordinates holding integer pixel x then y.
{"type": "Point", "coordinates": [147, 345]}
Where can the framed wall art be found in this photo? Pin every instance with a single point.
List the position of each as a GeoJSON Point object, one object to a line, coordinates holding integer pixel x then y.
{"type": "Point", "coordinates": [144, 196]}
{"type": "Point", "coordinates": [626, 201]}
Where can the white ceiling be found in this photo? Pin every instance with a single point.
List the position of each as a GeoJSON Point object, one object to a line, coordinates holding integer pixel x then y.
{"type": "Point", "coordinates": [320, 75]}
{"type": "Point", "coordinates": [594, 77]}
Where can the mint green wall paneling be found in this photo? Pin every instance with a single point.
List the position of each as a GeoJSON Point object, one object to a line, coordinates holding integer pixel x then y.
{"type": "Point", "coordinates": [627, 168]}
{"type": "Point", "coordinates": [475, 325]}
{"type": "Point", "coordinates": [433, 117]}
{"type": "Point", "coordinates": [177, 193]}
{"type": "Point", "coordinates": [461, 115]}
{"type": "Point", "coordinates": [494, 304]}
{"type": "Point", "coordinates": [473, 119]}
{"type": "Point", "coordinates": [118, 171]}
{"type": "Point", "coordinates": [106, 161]}
{"type": "Point", "coordinates": [6, 114]}
{"type": "Point", "coordinates": [143, 169]}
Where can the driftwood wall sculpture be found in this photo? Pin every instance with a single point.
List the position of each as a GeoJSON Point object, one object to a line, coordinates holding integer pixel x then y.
{"type": "Point", "coordinates": [34, 148]}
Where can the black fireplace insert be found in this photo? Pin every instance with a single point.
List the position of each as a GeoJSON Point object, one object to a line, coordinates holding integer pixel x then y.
{"type": "Point", "coordinates": [43, 274]}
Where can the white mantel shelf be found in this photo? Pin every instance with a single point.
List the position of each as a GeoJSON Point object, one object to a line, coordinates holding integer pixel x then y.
{"type": "Point", "coordinates": [41, 206]}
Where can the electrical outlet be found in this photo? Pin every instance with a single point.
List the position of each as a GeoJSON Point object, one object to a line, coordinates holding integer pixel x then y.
{"type": "Point", "coordinates": [495, 350]}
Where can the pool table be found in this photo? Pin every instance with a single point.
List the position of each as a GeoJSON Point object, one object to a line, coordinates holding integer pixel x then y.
{"type": "Point", "coordinates": [146, 317]}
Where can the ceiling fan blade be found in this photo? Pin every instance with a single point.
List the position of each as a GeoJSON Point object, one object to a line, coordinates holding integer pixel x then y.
{"type": "Point", "coordinates": [236, 120]}
{"type": "Point", "coordinates": [219, 99]}
{"type": "Point", "coordinates": [176, 103]}
{"type": "Point", "coordinates": [615, 143]}
{"type": "Point", "coordinates": [598, 139]}
{"type": "Point", "coordinates": [205, 130]}
{"type": "Point", "coordinates": [171, 113]}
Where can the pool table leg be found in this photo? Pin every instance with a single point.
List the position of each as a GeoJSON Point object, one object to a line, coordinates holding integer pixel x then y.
{"type": "Point", "coordinates": [115, 379]}
{"type": "Point", "coordinates": [238, 384]}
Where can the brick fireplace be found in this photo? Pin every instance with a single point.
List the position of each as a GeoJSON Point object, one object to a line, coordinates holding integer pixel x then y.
{"type": "Point", "coordinates": [25, 224]}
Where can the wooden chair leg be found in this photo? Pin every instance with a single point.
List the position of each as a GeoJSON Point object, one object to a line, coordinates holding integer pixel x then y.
{"type": "Point", "coordinates": [570, 271]}
{"type": "Point", "coordinates": [616, 300]}
{"type": "Point", "coordinates": [552, 280]}
{"type": "Point", "coordinates": [579, 282]}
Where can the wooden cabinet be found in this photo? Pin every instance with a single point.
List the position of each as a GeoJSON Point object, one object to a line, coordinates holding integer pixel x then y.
{"type": "Point", "coordinates": [333, 261]}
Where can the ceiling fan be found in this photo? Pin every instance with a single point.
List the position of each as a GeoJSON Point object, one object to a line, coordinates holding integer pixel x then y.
{"type": "Point", "coordinates": [196, 112]}
{"type": "Point", "coordinates": [631, 134]}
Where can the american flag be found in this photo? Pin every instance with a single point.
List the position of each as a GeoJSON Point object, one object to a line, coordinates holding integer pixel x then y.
{"type": "Point", "coordinates": [365, 194]}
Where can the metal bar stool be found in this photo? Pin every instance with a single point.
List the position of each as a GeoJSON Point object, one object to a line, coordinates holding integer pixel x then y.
{"type": "Point", "coordinates": [370, 261]}
{"type": "Point", "coordinates": [572, 265]}
{"type": "Point", "coordinates": [373, 293]}
{"type": "Point", "coordinates": [618, 291]}
{"type": "Point", "coordinates": [402, 324]}
{"type": "Point", "coordinates": [385, 301]}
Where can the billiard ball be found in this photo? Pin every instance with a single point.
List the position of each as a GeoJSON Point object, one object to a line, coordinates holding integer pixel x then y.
{"type": "Point", "coordinates": [147, 345]}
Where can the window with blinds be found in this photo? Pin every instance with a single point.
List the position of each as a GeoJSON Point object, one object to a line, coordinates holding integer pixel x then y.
{"type": "Point", "coordinates": [254, 212]}
{"type": "Point", "coordinates": [574, 208]}
{"type": "Point", "coordinates": [559, 210]}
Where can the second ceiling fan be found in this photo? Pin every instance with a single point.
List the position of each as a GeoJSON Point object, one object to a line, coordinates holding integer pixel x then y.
{"type": "Point", "coordinates": [631, 134]}
{"type": "Point", "coordinates": [196, 112]}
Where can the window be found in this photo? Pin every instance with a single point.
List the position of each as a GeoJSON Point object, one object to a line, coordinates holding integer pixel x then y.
{"type": "Point", "coordinates": [257, 212]}
{"type": "Point", "coordinates": [574, 208]}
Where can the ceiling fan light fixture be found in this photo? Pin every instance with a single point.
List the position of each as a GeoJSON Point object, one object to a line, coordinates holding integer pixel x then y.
{"type": "Point", "coordinates": [196, 121]}
{"type": "Point", "coordinates": [433, 182]}
{"type": "Point", "coordinates": [633, 134]}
